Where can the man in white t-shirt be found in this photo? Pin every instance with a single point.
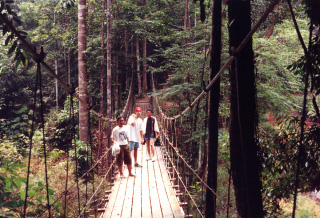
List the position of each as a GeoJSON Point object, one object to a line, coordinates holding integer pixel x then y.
{"type": "Point", "coordinates": [135, 133]}
{"type": "Point", "coordinates": [120, 134]}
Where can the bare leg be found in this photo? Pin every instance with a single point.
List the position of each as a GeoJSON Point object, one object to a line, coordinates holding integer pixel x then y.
{"type": "Point", "coordinates": [135, 154]}
{"type": "Point", "coordinates": [121, 172]}
{"type": "Point", "coordinates": [129, 169]}
{"type": "Point", "coordinates": [152, 146]}
{"type": "Point", "coordinates": [148, 147]}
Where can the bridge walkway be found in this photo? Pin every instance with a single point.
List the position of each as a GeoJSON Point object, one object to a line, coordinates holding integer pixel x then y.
{"type": "Point", "coordinates": [149, 194]}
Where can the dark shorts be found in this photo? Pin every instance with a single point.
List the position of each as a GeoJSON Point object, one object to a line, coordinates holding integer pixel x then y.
{"type": "Point", "coordinates": [124, 155]}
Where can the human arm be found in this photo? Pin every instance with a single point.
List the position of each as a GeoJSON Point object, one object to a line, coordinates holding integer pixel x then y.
{"type": "Point", "coordinates": [132, 120]}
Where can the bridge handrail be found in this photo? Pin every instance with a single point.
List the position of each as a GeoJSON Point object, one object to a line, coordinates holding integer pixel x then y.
{"type": "Point", "coordinates": [105, 176]}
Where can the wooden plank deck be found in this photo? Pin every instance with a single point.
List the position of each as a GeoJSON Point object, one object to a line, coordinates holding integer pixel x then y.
{"type": "Point", "coordinates": [149, 194]}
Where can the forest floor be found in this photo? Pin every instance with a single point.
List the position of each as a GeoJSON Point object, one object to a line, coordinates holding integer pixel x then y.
{"type": "Point", "coordinates": [307, 206]}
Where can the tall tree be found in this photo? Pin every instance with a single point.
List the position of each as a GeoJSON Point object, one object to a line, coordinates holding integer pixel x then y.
{"type": "Point", "coordinates": [82, 77]}
{"type": "Point", "coordinates": [243, 147]}
{"type": "Point", "coordinates": [109, 88]}
{"type": "Point", "coordinates": [102, 69]}
{"type": "Point", "coordinates": [213, 109]}
{"type": "Point", "coordinates": [144, 65]}
{"type": "Point", "coordinates": [138, 66]}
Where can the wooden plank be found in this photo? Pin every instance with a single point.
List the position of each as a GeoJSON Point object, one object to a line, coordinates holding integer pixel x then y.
{"type": "Point", "coordinates": [154, 197]}
{"type": "Point", "coordinates": [145, 195]}
{"type": "Point", "coordinates": [176, 209]}
{"type": "Point", "coordinates": [127, 204]}
{"type": "Point", "coordinates": [117, 208]}
{"type": "Point", "coordinates": [165, 205]}
{"type": "Point", "coordinates": [136, 200]}
{"type": "Point", "coordinates": [112, 198]}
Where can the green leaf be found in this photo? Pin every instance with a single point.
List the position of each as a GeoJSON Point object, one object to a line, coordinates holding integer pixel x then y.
{"type": "Point", "coordinates": [50, 191]}
{"type": "Point", "coordinates": [31, 193]}
{"type": "Point", "coordinates": [18, 62]}
{"type": "Point", "coordinates": [8, 39]}
{"type": "Point", "coordinates": [13, 47]}
{"type": "Point", "coordinates": [22, 195]}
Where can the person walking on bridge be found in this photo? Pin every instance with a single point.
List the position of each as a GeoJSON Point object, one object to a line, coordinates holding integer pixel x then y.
{"type": "Point", "coordinates": [135, 133]}
{"type": "Point", "coordinates": [120, 135]}
{"type": "Point", "coordinates": [150, 130]}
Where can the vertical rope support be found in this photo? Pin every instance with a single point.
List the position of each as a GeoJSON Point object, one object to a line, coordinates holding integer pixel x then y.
{"type": "Point", "coordinates": [229, 193]}
{"type": "Point", "coordinates": [30, 146]}
{"type": "Point", "coordinates": [304, 109]}
{"type": "Point", "coordinates": [75, 154]}
{"type": "Point", "coordinates": [68, 148]}
{"type": "Point", "coordinates": [43, 133]}
{"type": "Point", "coordinates": [87, 154]}
{"type": "Point", "coordinates": [95, 199]}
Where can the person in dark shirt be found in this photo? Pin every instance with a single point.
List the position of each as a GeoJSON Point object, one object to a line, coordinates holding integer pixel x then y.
{"type": "Point", "coordinates": [150, 130]}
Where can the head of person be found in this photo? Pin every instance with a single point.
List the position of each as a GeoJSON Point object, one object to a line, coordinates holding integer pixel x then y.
{"type": "Point", "coordinates": [120, 121]}
{"type": "Point", "coordinates": [149, 112]}
{"type": "Point", "coordinates": [138, 111]}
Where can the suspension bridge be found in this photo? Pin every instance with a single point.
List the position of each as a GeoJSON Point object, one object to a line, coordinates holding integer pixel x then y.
{"type": "Point", "coordinates": [168, 187]}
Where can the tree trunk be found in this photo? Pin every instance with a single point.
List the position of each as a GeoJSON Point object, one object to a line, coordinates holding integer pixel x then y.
{"type": "Point", "coordinates": [186, 16]}
{"type": "Point", "coordinates": [69, 67]}
{"type": "Point", "coordinates": [109, 88]}
{"type": "Point", "coordinates": [144, 66]}
{"type": "Point", "coordinates": [126, 50]}
{"type": "Point", "coordinates": [243, 148]}
{"type": "Point", "coordinates": [82, 45]}
{"type": "Point", "coordinates": [56, 81]}
{"type": "Point", "coordinates": [102, 59]}
{"type": "Point", "coordinates": [138, 67]}
{"type": "Point", "coordinates": [56, 66]}
{"type": "Point", "coordinates": [213, 125]}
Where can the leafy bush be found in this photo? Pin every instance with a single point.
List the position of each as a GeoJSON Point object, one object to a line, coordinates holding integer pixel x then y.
{"type": "Point", "coordinates": [279, 154]}
{"type": "Point", "coordinates": [16, 129]}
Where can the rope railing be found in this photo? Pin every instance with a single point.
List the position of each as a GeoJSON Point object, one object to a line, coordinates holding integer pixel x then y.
{"type": "Point", "coordinates": [169, 146]}
{"type": "Point", "coordinates": [83, 175]}
{"type": "Point", "coordinates": [97, 189]}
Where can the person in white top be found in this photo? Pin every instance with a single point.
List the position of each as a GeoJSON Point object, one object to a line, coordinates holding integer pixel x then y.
{"type": "Point", "coordinates": [150, 131]}
{"type": "Point", "coordinates": [135, 133]}
{"type": "Point", "coordinates": [120, 134]}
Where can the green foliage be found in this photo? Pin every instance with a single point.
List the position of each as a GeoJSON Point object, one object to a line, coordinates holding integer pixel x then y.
{"type": "Point", "coordinates": [12, 40]}
{"type": "Point", "coordinates": [279, 153]}
{"type": "Point", "coordinates": [61, 127]}
{"type": "Point", "coordinates": [83, 158]}
{"type": "Point", "coordinates": [9, 150]}
{"type": "Point", "coordinates": [16, 129]}
{"type": "Point", "coordinates": [12, 192]}
{"type": "Point", "coordinates": [275, 83]}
